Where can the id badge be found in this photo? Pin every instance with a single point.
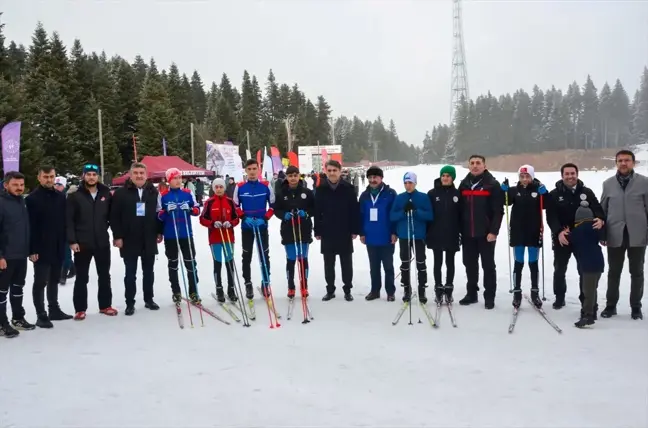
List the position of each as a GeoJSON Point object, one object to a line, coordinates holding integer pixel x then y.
{"type": "Point", "coordinates": [140, 209]}
{"type": "Point", "coordinates": [373, 214]}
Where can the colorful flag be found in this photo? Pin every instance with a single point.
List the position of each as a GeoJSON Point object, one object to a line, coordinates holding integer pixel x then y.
{"type": "Point", "coordinates": [164, 146]}
{"type": "Point", "coordinates": [11, 147]}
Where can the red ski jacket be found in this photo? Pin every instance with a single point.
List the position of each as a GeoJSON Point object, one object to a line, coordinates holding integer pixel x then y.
{"type": "Point", "coordinates": [219, 208]}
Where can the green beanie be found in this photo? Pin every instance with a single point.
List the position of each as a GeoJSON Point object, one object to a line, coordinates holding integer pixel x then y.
{"type": "Point", "coordinates": [450, 170]}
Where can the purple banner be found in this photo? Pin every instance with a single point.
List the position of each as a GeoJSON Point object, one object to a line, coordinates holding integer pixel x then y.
{"type": "Point", "coordinates": [276, 164]}
{"type": "Point", "coordinates": [164, 146]}
{"type": "Point", "coordinates": [11, 147]}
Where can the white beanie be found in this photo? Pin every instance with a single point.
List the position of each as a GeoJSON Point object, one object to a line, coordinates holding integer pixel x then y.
{"type": "Point", "coordinates": [218, 182]}
{"type": "Point", "coordinates": [409, 176]}
{"type": "Point", "coordinates": [527, 169]}
{"type": "Point", "coordinates": [60, 181]}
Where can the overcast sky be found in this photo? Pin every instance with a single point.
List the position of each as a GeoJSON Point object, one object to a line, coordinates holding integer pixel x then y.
{"type": "Point", "coordinates": [368, 58]}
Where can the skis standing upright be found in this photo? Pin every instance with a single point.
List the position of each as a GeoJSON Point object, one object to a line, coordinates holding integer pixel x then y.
{"type": "Point", "coordinates": [266, 288]}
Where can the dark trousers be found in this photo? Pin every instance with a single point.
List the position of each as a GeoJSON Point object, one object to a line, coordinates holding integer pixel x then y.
{"type": "Point", "coordinates": [130, 277]}
{"type": "Point", "coordinates": [46, 275]}
{"type": "Point", "coordinates": [247, 237]}
{"type": "Point", "coordinates": [12, 283]}
{"type": "Point", "coordinates": [382, 255]}
{"type": "Point", "coordinates": [590, 285]}
{"type": "Point", "coordinates": [346, 265]}
{"type": "Point", "coordinates": [290, 272]}
{"type": "Point", "coordinates": [407, 250]}
{"type": "Point", "coordinates": [438, 265]}
{"type": "Point", "coordinates": [616, 259]}
{"type": "Point", "coordinates": [171, 251]}
{"type": "Point", "coordinates": [82, 261]}
{"type": "Point", "coordinates": [561, 261]}
{"type": "Point", "coordinates": [474, 249]}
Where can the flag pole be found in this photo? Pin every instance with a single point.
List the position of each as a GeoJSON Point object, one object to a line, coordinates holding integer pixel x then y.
{"type": "Point", "coordinates": [101, 150]}
{"type": "Point", "coordinates": [193, 160]}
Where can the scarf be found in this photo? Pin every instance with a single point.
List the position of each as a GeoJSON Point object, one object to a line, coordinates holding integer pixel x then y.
{"type": "Point", "coordinates": [624, 179]}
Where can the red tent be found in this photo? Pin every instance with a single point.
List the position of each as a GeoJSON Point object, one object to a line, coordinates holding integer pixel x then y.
{"type": "Point", "coordinates": [157, 166]}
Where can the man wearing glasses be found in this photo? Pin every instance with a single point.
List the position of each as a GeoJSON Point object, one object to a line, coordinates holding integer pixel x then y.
{"type": "Point", "coordinates": [88, 211]}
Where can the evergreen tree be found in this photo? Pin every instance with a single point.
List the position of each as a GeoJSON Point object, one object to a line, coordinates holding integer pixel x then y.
{"type": "Point", "coordinates": [590, 119]}
{"type": "Point", "coordinates": [156, 119]}
{"type": "Point", "coordinates": [17, 56]}
{"type": "Point", "coordinates": [323, 127]}
{"type": "Point", "coordinates": [620, 116]}
{"type": "Point", "coordinates": [5, 64]}
{"type": "Point", "coordinates": [198, 97]}
{"type": "Point", "coordinates": [605, 113]}
{"type": "Point", "coordinates": [640, 119]}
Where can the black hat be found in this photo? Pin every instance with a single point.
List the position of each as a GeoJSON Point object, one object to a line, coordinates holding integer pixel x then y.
{"type": "Point", "coordinates": [374, 170]}
{"type": "Point", "coordinates": [292, 170]}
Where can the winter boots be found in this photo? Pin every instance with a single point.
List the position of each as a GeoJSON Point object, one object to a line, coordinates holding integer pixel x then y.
{"type": "Point", "coordinates": [290, 275]}
{"type": "Point", "coordinates": [22, 324]}
{"type": "Point", "coordinates": [56, 314]}
{"type": "Point", "coordinates": [517, 291]}
{"type": "Point", "coordinates": [422, 297]}
{"type": "Point", "coordinates": [636, 314]}
{"type": "Point", "coordinates": [43, 321]}
{"type": "Point", "coordinates": [407, 293]}
{"type": "Point", "coordinates": [609, 312]}
{"type": "Point", "coordinates": [231, 293]}
{"type": "Point", "coordinates": [440, 291]}
{"type": "Point", "coordinates": [7, 330]}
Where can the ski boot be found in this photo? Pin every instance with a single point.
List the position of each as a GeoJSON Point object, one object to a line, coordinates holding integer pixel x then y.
{"type": "Point", "coordinates": [249, 290]}
{"type": "Point", "coordinates": [8, 331]}
{"type": "Point", "coordinates": [609, 312]}
{"type": "Point", "coordinates": [195, 299]}
{"type": "Point", "coordinates": [438, 294]}
{"type": "Point", "coordinates": [291, 293]}
{"type": "Point", "coordinates": [110, 311]}
{"type": "Point", "coordinates": [421, 296]}
{"type": "Point", "coordinates": [517, 298]}
{"type": "Point", "coordinates": [43, 321]}
{"type": "Point", "coordinates": [231, 294]}
{"type": "Point", "coordinates": [22, 324]}
{"type": "Point", "coordinates": [80, 316]}
{"type": "Point", "coordinates": [535, 298]}
{"type": "Point", "coordinates": [220, 294]}
{"type": "Point", "coordinates": [636, 314]}
{"type": "Point", "coordinates": [407, 293]}
{"type": "Point", "coordinates": [584, 322]}
{"type": "Point", "coordinates": [447, 290]}
{"type": "Point", "coordinates": [177, 298]}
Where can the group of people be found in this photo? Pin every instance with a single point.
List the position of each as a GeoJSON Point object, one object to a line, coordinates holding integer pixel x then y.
{"type": "Point", "coordinates": [45, 225]}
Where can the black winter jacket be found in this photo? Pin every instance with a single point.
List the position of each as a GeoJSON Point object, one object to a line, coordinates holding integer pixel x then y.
{"type": "Point", "coordinates": [444, 232]}
{"type": "Point", "coordinates": [88, 219]}
{"type": "Point", "coordinates": [482, 205]}
{"type": "Point", "coordinates": [47, 224]}
{"type": "Point", "coordinates": [293, 200]}
{"type": "Point", "coordinates": [526, 218]}
{"type": "Point", "coordinates": [337, 217]}
{"type": "Point", "coordinates": [139, 234]}
{"type": "Point", "coordinates": [14, 227]}
{"type": "Point", "coordinates": [562, 204]}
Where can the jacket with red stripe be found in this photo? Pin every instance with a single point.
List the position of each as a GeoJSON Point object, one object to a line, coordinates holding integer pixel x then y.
{"type": "Point", "coordinates": [482, 205]}
{"type": "Point", "coordinates": [219, 208]}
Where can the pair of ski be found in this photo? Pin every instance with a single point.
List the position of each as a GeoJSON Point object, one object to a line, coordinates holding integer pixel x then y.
{"type": "Point", "coordinates": [199, 306]}
{"type": "Point", "coordinates": [407, 305]}
{"type": "Point", "coordinates": [291, 307]}
{"type": "Point", "coordinates": [448, 305]}
{"type": "Point", "coordinates": [543, 314]}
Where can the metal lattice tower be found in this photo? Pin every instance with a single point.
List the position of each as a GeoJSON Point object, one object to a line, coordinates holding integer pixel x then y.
{"type": "Point", "coordinates": [459, 68]}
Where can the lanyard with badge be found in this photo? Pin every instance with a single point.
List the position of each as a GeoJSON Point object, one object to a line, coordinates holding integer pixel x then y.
{"type": "Point", "coordinates": [140, 207]}
{"type": "Point", "coordinates": [373, 212]}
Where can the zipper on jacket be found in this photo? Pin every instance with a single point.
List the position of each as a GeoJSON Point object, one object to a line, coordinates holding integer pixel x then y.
{"type": "Point", "coordinates": [472, 215]}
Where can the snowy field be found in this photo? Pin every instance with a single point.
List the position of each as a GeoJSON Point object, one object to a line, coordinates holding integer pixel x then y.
{"type": "Point", "coordinates": [349, 367]}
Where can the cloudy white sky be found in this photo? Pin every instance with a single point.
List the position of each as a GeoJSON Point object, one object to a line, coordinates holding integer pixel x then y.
{"type": "Point", "coordinates": [369, 58]}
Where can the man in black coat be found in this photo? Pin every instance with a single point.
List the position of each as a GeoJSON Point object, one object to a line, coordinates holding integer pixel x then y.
{"type": "Point", "coordinates": [87, 217]}
{"type": "Point", "coordinates": [137, 232]}
{"type": "Point", "coordinates": [482, 211]}
{"type": "Point", "coordinates": [14, 249]}
{"type": "Point", "coordinates": [46, 207]}
{"type": "Point", "coordinates": [337, 224]}
{"type": "Point", "coordinates": [562, 203]}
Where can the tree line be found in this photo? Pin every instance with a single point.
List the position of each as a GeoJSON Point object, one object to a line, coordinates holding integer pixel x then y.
{"type": "Point", "coordinates": [56, 92]}
{"type": "Point", "coordinates": [580, 118]}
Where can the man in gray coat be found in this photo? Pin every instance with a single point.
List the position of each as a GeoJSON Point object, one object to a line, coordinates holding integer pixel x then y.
{"type": "Point", "coordinates": [625, 202]}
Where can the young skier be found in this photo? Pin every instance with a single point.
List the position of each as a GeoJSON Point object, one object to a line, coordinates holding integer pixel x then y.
{"type": "Point", "coordinates": [178, 205]}
{"type": "Point", "coordinates": [526, 228]}
{"type": "Point", "coordinates": [444, 233]}
{"type": "Point", "coordinates": [411, 233]}
{"type": "Point", "coordinates": [295, 207]}
{"type": "Point", "coordinates": [220, 217]}
{"type": "Point", "coordinates": [584, 239]}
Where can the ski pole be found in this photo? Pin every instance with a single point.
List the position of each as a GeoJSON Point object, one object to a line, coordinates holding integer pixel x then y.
{"type": "Point", "coordinates": [409, 268]}
{"type": "Point", "coordinates": [238, 289]}
{"type": "Point", "coordinates": [299, 260]}
{"type": "Point", "coordinates": [304, 272]}
{"type": "Point", "coordinates": [265, 275]}
{"type": "Point", "coordinates": [508, 235]}
{"type": "Point", "coordinates": [229, 253]}
{"type": "Point", "coordinates": [182, 272]}
{"type": "Point", "coordinates": [542, 245]}
{"type": "Point", "coordinates": [193, 264]}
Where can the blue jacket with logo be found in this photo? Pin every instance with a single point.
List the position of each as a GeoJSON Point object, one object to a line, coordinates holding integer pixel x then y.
{"type": "Point", "coordinates": [256, 199]}
{"type": "Point", "coordinates": [377, 233]}
{"type": "Point", "coordinates": [182, 218]}
{"type": "Point", "coordinates": [420, 216]}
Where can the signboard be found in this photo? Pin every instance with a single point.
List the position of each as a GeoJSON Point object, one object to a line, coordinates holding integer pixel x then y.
{"type": "Point", "coordinates": [224, 159]}
{"type": "Point", "coordinates": [310, 157]}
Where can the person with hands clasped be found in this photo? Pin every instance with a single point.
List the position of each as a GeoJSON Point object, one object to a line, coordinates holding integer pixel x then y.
{"type": "Point", "coordinates": [220, 217]}
{"type": "Point", "coordinates": [295, 207]}
{"type": "Point", "coordinates": [411, 212]}
{"type": "Point", "coordinates": [178, 205]}
{"type": "Point", "coordinates": [526, 228]}
{"type": "Point", "coordinates": [562, 203]}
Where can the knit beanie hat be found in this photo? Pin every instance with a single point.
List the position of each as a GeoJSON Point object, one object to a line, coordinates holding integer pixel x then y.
{"type": "Point", "coordinates": [583, 212]}
{"type": "Point", "coordinates": [218, 182]}
{"type": "Point", "coordinates": [60, 181]}
{"type": "Point", "coordinates": [527, 169]}
{"type": "Point", "coordinates": [409, 177]}
{"type": "Point", "coordinates": [172, 173]}
{"type": "Point", "coordinates": [450, 170]}
{"type": "Point", "coordinates": [91, 168]}
{"type": "Point", "coordinates": [375, 171]}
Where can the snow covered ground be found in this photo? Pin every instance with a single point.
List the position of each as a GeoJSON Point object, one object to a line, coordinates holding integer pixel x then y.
{"type": "Point", "coordinates": [349, 367]}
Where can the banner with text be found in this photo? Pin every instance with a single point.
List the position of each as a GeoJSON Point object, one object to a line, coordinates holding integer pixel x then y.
{"type": "Point", "coordinates": [11, 147]}
{"type": "Point", "coordinates": [224, 159]}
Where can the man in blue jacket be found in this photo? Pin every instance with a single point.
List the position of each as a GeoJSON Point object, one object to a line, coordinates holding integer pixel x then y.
{"type": "Point", "coordinates": [256, 198]}
{"type": "Point", "coordinates": [411, 212]}
{"type": "Point", "coordinates": [378, 233]}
